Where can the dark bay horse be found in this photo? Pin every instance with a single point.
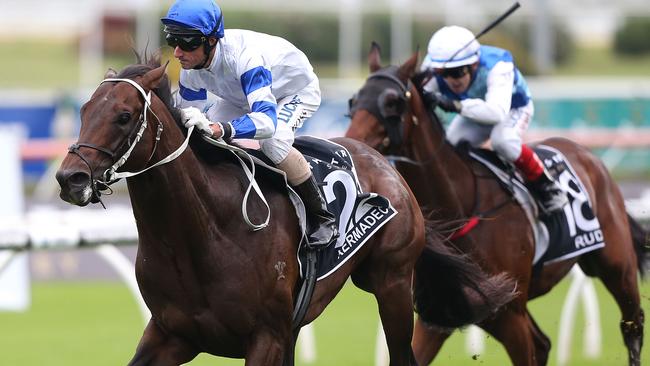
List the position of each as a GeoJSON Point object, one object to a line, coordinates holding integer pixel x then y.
{"type": "Point", "coordinates": [388, 114]}
{"type": "Point", "coordinates": [211, 282]}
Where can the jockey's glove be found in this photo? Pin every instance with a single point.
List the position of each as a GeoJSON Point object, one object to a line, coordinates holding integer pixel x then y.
{"type": "Point", "coordinates": [446, 104]}
{"type": "Point", "coordinates": [192, 116]}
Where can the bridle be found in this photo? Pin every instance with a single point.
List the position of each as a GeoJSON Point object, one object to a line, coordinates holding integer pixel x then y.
{"type": "Point", "coordinates": [394, 124]}
{"type": "Point", "coordinates": [110, 175]}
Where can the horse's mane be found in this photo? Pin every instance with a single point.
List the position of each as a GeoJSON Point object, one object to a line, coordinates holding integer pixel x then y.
{"type": "Point", "coordinates": [163, 91]}
{"type": "Point", "coordinates": [419, 80]}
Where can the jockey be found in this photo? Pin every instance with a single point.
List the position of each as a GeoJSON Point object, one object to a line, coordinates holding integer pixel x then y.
{"type": "Point", "coordinates": [491, 97]}
{"type": "Point", "coordinates": [242, 84]}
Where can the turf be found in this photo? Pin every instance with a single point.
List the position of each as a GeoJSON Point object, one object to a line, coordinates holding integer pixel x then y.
{"type": "Point", "coordinates": [98, 324]}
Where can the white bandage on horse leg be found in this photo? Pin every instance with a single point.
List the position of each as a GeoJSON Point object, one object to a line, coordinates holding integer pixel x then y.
{"type": "Point", "coordinates": [296, 167]}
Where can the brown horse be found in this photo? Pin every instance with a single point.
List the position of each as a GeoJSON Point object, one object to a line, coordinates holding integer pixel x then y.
{"type": "Point", "coordinates": [388, 113]}
{"type": "Point", "coordinates": [211, 282]}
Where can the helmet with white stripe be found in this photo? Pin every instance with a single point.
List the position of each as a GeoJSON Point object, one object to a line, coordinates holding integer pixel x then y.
{"type": "Point", "coordinates": [452, 46]}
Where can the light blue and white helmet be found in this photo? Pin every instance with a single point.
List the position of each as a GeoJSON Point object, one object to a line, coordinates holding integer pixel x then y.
{"type": "Point", "coordinates": [446, 50]}
{"type": "Point", "coordinates": [203, 16]}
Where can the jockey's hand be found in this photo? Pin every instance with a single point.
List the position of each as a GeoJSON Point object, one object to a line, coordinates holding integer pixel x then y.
{"type": "Point", "coordinates": [217, 130]}
{"type": "Point", "coordinates": [448, 105]}
{"type": "Point", "coordinates": [222, 131]}
{"type": "Point", "coordinates": [194, 117]}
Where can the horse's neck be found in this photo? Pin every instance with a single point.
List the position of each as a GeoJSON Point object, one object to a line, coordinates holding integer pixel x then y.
{"type": "Point", "coordinates": [449, 180]}
{"type": "Point", "coordinates": [179, 190]}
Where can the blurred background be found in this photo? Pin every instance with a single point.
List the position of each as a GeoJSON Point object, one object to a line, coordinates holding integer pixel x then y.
{"type": "Point", "coordinates": [588, 67]}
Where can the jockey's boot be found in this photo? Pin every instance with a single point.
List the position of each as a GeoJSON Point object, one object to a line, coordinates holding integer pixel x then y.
{"type": "Point", "coordinates": [549, 193]}
{"type": "Point", "coordinates": [543, 186]}
{"type": "Point", "coordinates": [322, 229]}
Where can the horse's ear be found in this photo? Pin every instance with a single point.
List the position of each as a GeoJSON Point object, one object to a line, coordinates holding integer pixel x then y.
{"type": "Point", "coordinates": [407, 70]}
{"type": "Point", "coordinates": [374, 57]}
{"type": "Point", "coordinates": [151, 79]}
{"type": "Point", "coordinates": [110, 73]}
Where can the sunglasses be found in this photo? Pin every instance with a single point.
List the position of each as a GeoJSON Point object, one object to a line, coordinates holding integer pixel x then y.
{"type": "Point", "coordinates": [455, 72]}
{"type": "Point", "coordinates": [187, 43]}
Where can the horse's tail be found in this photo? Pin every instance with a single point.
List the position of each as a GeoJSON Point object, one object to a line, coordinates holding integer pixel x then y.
{"type": "Point", "coordinates": [451, 290]}
{"type": "Point", "coordinates": [641, 239]}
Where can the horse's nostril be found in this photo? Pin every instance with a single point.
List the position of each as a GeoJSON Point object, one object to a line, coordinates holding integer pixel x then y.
{"type": "Point", "coordinates": [79, 179]}
{"type": "Point", "coordinates": [76, 179]}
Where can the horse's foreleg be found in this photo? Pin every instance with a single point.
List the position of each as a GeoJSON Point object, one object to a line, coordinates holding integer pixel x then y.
{"type": "Point", "coordinates": [427, 342]}
{"type": "Point", "coordinates": [268, 348]}
{"type": "Point", "coordinates": [396, 312]}
{"type": "Point", "coordinates": [290, 353]}
{"type": "Point", "coordinates": [625, 291]}
{"type": "Point", "coordinates": [157, 348]}
{"type": "Point", "coordinates": [621, 281]}
{"type": "Point", "coordinates": [616, 266]}
{"type": "Point", "coordinates": [542, 342]}
{"type": "Point", "coordinates": [633, 336]}
{"type": "Point", "coordinates": [513, 329]}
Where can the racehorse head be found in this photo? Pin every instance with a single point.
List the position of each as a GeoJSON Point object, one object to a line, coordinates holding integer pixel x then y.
{"type": "Point", "coordinates": [382, 110]}
{"type": "Point", "coordinates": [113, 129]}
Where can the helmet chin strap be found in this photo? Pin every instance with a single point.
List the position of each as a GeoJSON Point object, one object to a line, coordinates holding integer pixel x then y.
{"type": "Point", "coordinates": [207, 49]}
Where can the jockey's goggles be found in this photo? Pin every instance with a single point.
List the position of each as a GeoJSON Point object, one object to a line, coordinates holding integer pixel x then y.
{"type": "Point", "coordinates": [453, 72]}
{"type": "Point", "coordinates": [185, 43]}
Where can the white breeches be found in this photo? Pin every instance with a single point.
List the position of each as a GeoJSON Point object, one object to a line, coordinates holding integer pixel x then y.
{"type": "Point", "coordinates": [505, 137]}
{"type": "Point", "coordinates": [292, 111]}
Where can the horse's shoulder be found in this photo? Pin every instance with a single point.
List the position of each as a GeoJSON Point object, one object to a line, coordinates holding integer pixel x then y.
{"type": "Point", "coordinates": [569, 148]}
{"type": "Point", "coordinates": [355, 147]}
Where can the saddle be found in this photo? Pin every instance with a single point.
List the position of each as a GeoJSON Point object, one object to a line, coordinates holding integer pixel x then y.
{"type": "Point", "coordinates": [358, 214]}
{"type": "Point", "coordinates": [570, 233]}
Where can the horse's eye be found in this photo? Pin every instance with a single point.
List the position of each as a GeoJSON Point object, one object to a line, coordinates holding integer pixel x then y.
{"type": "Point", "coordinates": [124, 118]}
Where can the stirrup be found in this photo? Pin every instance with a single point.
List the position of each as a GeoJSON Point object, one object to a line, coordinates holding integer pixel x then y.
{"type": "Point", "coordinates": [317, 238]}
{"type": "Point", "coordinates": [555, 202]}
{"type": "Point", "coordinates": [551, 197]}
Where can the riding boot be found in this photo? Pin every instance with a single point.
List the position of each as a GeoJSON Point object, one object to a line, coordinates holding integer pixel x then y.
{"type": "Point", "coordinates": [549, 193]}
{"type": "Point", "coordinates": [322, 224]}
{"type": "Point", "coordinates": [543, 186]}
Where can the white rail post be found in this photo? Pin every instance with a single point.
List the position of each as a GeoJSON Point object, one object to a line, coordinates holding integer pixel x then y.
{"type": "Point", "coordinates": [381, 348]}
{"type": "Point", "coordinates": [15, 294]}
{"type": "Point", "coordinates": [581, 286]}
{"type": "Point", "coordinates": [307, 344]}
{"type": "Point", "coordinates": [474, 340]}
{"type": "Point", "coordinates": [592, 339]}
{"type": "Point", "coordinates": [125, 269]}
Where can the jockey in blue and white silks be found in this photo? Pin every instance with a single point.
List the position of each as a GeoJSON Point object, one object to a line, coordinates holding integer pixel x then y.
{"type": "Point", "coordinates": [252, 73]}
{"type": "Point", "coordinates": [244, 84]}
{"type": "Point", "coordinates": [492, 101]}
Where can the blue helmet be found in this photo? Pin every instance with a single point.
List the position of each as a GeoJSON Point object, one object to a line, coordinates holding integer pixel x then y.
{"type": "Point", "coordinates": [192, 16]}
